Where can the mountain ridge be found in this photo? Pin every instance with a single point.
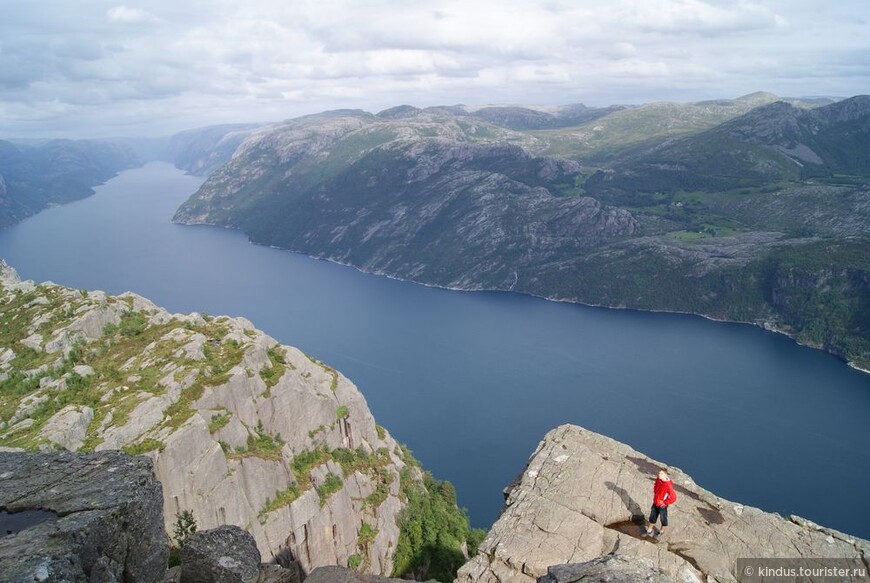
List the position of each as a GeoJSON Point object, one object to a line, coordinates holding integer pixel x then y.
{"type": "Point", "coordinates": [447, 200]}
{"type": "Point", "coordinates": [33, 177]}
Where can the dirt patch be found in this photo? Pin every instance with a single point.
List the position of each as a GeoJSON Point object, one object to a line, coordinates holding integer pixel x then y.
{"type": "Point", "coordinates": [687, 492]}
{"type": "Point", "coordinates": [645, 466]}
{"type": "Point", "coordinates": [711, 515]}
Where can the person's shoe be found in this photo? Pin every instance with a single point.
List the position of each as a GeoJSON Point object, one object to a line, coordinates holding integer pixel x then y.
{"type": "Point", "coordinates": [658, 534]}
{"type": "Point", "coordinates": [646, 532]}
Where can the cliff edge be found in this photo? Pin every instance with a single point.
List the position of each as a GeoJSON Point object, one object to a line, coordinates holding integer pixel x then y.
{"type": "Point", "coordinates": [584, 496]}
{"type": "Point", "coordinates": [241, 429]}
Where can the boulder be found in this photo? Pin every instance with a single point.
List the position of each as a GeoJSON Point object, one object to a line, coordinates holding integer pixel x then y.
{"type": "Point", "coordinates": [270, 573]}
{"type": "Point", "coordinates": [73, 517]}
{"type": "Point", "coordinates": [226, 554]}
{"type": "Point", "coordinates": [68, 427]}
{"type": "Point", "coordinates": [332, 574]}
{"type": "Point", "coordinates": [584, 496]}
{"type": "Point", "coordinates": [611, 568]}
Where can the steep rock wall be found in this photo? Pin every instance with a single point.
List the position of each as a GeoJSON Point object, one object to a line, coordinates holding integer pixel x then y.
{"type": "Point", "coordinates": [241, 429]}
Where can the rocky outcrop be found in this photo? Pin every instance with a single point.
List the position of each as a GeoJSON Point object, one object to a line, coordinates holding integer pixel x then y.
{"type": "Point", "coordinates": [241, 429]}
{"type": "Point", "coordinates": [333, 574]}
{"type": "Point", "coordinates": [226, 554]}
{"type": "Point", "coordinates": [609, 568]}
{"type": "Point", "coordinates": [583, 496]}
{"type": "Point", "coordinates": [95, 517]}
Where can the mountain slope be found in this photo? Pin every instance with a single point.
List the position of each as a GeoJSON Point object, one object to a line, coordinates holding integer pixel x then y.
{"type": "Point", "coordinates": [438, 197]}
{"type": "Point", "coordinates": [772, 143]}
{"type": "Point", "coordinates": [54, 172]}
{"type": "Point", "coordinates": [606, 139]}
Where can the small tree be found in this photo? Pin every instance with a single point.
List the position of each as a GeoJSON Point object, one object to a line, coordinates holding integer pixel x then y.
{"type": "Point", "coordinates": [185, 525]}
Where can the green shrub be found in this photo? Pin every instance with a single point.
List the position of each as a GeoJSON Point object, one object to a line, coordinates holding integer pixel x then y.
{"type": "Point", "coordinates": [185, 525]}
{"type": "Point", "coordinates": [144, 446]}
{"type": "Point", "coordinates": [354, 561]}
{"type": "Point", "coordinates": [219, 421]}
{"type": "Point", "coordinates": [331, 484]}
{"type": "Point", "coordinates": [367, 534]}
{"type": "Point", "coordinates": [432, 530]}
{"type": "Point", "coordinates": [133, 323]}
{"type": "Point", "coordinates": [277, 366]}
{"type": "Point", "coordinates": [306, 461]}
{"type": "Point", "coordinates": [282, 498]}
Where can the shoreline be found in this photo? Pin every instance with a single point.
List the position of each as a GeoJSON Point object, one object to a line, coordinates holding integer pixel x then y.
{"type": "Point", "coordinates": [765, 326]}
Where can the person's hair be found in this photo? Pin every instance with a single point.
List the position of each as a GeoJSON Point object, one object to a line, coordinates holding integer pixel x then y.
{"type": "Point", "coordinates": [665, 470]}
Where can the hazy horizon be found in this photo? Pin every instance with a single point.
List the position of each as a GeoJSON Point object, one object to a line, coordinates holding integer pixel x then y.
{"type": "Point", "coordinates": [152, 68]}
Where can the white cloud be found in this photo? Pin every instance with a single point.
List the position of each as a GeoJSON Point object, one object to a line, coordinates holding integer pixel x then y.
{"type": "Point", "coordinates": [108, 68]}
{"type": "Point", "coordinates": [126, 15]}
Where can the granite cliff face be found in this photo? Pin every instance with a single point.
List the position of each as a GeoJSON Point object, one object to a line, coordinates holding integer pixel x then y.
{"type": "Point", "coordinates": [583, 496]}
{"type": "Point", "coordinates": [241, 429]}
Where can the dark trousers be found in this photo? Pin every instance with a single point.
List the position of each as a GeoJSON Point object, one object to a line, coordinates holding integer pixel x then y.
{"type": "Point", "coordinates": [657, 511]}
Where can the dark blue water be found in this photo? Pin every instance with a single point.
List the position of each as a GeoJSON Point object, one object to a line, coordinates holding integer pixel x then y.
{"type": "Point", "coordinates": [472, 381]}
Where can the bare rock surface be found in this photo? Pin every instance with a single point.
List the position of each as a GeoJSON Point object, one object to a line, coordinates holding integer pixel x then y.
{"type": "Point", "coordinates": [226, 554]}
{"type": "Point", "coordinates": [613, 568]}
{"type": "Point", "coordinates": [241, 429]}
{"type": "Point", "coordinates": [584, 496]}
{"type": "Point", "coordinates": [94, 517]}
{"type": "Point", "coordinates": [333, 574]}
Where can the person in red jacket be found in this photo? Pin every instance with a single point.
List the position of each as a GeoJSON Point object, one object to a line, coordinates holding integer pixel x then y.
{"type": "Point", "coordinates": [663, 496]}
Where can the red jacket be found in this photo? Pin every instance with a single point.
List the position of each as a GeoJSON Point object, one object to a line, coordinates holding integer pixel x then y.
{"type": "Point", "coordinates": [663, 492]}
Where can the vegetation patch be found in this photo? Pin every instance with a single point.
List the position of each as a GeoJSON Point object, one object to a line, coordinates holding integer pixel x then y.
{"type": "Point", "coordinates": [263, 445]}
{"type": "Point", "coordinates": [432, 529]}
{"type": "Point", "coordinates": [282, 499]}
{"type": "Point", "coordinates": [133, 323]}
{"type": "Point", "coordinates": [278, 365]}
{"type": "Point", "coordinates": [144, 446]}
{"type": "Point", "coordinates": [219, 421]}
{"type": "Point", "coordinates": [305, 462]}
{"type": "Point", "coordinates": [331, 484]}
{"type": "Point", "coordinates": [354, 561]}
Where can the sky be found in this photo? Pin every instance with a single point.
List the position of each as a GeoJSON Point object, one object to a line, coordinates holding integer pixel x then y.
{"type": "Point", "coordinates": [94, 68]}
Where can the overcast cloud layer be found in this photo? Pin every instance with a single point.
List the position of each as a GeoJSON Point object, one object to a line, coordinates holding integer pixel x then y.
{"type": "Point", "coordinates": [91, 68]}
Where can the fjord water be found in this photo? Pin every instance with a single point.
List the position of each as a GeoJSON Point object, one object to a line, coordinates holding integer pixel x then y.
{"type": "Point", "coordinates": [472, 381]}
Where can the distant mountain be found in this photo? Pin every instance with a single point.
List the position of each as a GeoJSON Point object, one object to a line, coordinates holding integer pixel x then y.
{"type": "Point", "coordinates": [771, 143]}
{"type": "Point", "coordinates": [433, 194]}
{"type": "Point", "coordinates": [444, 197]}
{"type": "Point", "coordinates": [202, 151]}
{"type": "Point", "coordinates": [625, 131]}
{"type": "Point", "coordinates": [54, 172]}
{"type": "Point", "coordinates": [524, 118]}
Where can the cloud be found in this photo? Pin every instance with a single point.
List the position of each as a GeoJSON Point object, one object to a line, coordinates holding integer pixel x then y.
{"type": "Point", "coordinates": [701, 18]}
{"type": "Point", "coordinates": [104, 68]}
{"type": "Point", "coordinates": [124, 15]}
